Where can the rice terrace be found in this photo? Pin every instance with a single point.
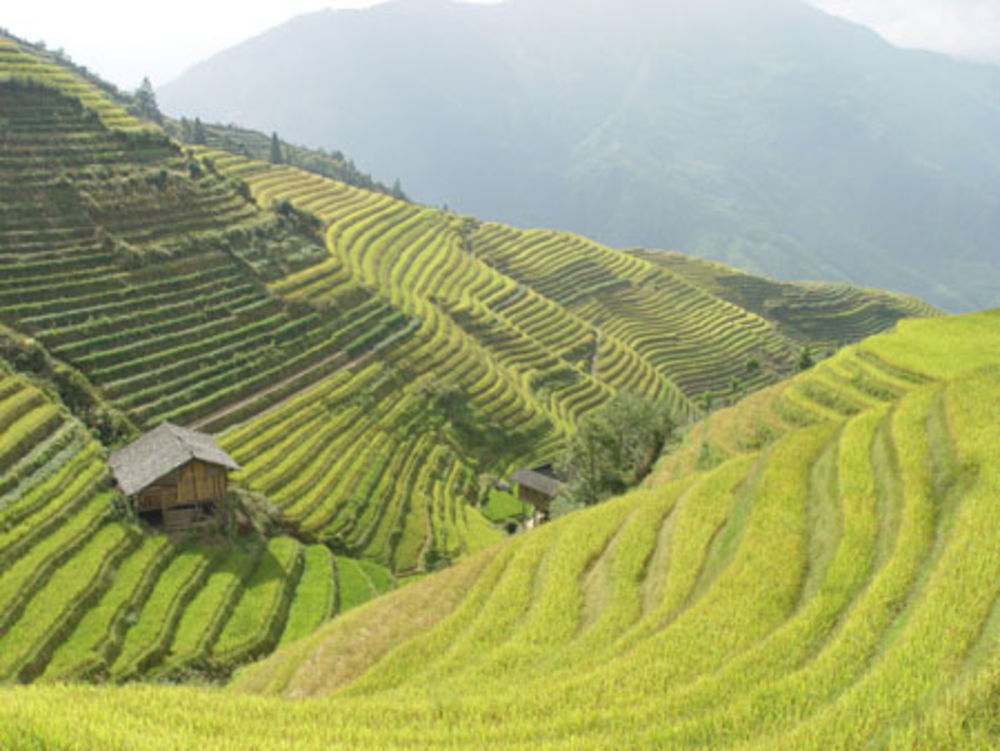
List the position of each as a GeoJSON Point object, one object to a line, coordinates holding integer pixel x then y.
{"type": "Point", "coordinates": [291, 460]}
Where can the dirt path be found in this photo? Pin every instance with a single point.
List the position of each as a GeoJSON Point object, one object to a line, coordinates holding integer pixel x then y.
{"type": "Point", "coordinates": [597, 348]}
{"type": "Point", "coordinates": [279, 385]}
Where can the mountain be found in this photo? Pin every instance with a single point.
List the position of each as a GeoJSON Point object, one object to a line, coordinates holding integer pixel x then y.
{"type": "Point", "coordinates": [764, 134]}
{"type": "Point", "coordinates": [372, 365]}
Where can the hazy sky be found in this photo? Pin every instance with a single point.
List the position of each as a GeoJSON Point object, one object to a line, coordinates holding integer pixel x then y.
{"type": "Point", "coordinates": [126, 39]}
{"type": "Point", "coordinates": [967, 28]}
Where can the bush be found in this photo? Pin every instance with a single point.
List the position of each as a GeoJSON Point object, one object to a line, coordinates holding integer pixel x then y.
{"type": "Point", "coordinates": [614, 447]}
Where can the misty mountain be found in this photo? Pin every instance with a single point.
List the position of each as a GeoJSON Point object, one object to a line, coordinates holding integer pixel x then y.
{"type": "Point", "coordinates": [762, 133]}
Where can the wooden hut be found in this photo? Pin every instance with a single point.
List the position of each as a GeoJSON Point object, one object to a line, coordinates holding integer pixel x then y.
{"type": "Point", "coordinates": [537, 486]}
{"type": "Point", "coordinates": [174, 477]}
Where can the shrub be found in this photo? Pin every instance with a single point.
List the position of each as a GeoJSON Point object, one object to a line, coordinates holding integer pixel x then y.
{"type": "Point", "coordinates": [615, 447]}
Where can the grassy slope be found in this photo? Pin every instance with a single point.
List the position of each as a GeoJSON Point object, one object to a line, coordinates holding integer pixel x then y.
{"type": "Point", "coordinates": [834, 588]}
{"type": "Point", "coordinates": [813, 312]}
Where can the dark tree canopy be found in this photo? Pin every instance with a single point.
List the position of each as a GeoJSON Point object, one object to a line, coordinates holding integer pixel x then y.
{"type": "Point", "coordinates": [614, 447]}
{"type": "Point", "coordinates": [276, 156]}
{"type": "Point", "coordinates": [198, 134]}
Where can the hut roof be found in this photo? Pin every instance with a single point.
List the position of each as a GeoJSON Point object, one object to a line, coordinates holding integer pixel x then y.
{"type": "Point", "coordinates": [539, 479]}
{"type": "Point", "coordinates": [161, 451]}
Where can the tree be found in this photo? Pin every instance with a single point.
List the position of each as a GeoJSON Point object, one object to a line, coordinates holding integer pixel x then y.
{"type": "Point", "coordinates": [276, 156]}
{"type": "Point", "coordinates": [145, 102]}
{"type": "Point", "coordinates": [198, 134]}
{"type": "Point", "coordinates": [587, 465]}
{"type": "Point", "coordinates": [706, 399]}
{"type": "Point", "coordinates": [806, 358]}
{"type": "Point", "coordinates": [735, 390]}
{"type": "Point", "coordinates": [398, 192]}
{"type": "Point", "coordinates": [614, 447]}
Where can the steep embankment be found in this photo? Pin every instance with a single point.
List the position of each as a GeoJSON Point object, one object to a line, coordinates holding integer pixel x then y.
{"type": "Point", "coordinates": [834, 587]}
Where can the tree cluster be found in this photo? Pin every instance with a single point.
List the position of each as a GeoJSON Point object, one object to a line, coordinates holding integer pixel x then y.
{"type": "Point", "coordinates": [614, 447]}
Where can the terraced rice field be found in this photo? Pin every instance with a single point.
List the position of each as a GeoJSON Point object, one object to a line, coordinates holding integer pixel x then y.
{"type": "Point", "coordinates": [177, 331]}
{"type": "Point", "coordinates": [367, 361]}
{"type": "Point", "coordinates": [832, 314]}
{"type": "Point", "coordinates": [86, 594]}
{"type": "Point", "coordinates": [535, 328]}
{"type": "Point", "coordinates": [834, 587]}
{"type": "Point", "coordinates": [814, 567]}
{"type": "Point", "coordinates": [366, 368]}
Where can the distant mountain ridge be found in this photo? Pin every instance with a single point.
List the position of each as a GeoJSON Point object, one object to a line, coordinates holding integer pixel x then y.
{"type": "Point", "coordinates": [765, 134]}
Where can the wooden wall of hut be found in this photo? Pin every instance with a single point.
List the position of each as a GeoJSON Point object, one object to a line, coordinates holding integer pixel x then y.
{"type": "Point", "coordinates": [195, 482]}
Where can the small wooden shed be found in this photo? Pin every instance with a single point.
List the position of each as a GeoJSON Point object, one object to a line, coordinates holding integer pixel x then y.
{"type": "Point", "coordinates": [537, 486]}
{"type": "Point", "coordinates": [174, 477]}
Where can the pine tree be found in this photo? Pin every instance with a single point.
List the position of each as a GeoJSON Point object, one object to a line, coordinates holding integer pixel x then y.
{"type": "Point", "coordinates": [198, 136]}
{"type": "Point", "coordinates": [806, 358]}
{"type": "Point", "coordinates": [145, 102]}
{"type": "Point", "coordinates": [398, 192]}
{"type": "Point", "coordinates": [276, 155]}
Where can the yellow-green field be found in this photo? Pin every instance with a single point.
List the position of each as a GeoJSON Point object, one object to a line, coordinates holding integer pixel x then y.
{"type": "Point", "coordinates": [834, 588]}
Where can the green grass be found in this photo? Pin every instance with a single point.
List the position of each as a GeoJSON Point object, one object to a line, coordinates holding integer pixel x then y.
{"type": "Point", "coordinates": [354, 584]}
{"type": "Point", "coordinates": [315, 595]}
{"type": "Point", "coordinates": [258, 618]}
{"type": "Point", "coordinates": [95, 636]}
{"type": "Point", "coordinates": [501, 506]}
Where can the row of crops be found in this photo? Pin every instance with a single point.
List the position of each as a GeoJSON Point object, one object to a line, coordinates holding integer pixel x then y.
{"type": "Point", "coordinates": [184, 332]}
{"type": "Point", "coordinates": [817, 312]}
{"type": "Point", "coordinates": [85, 594]}
{"type": "Point", "coordinates": [151, 287]}
{"type": "Point", "coordinates": [697, 341]}
{"type": "Point", "coordinates": [690, 521]}
{"type": "Point", "coordinates": [835, 587]}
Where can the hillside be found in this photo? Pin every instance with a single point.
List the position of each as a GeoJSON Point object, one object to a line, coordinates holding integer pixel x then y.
{"type": "Point", "coordinates": [230, 137]}
{"type": "Point", "coordinates": [764, 134]}
{"type": "Point", "coordinates": [369, 362]}
{"type": "Point", "coordinates": [416, 349]}
{"type": "Point", "coordinates": [255, 145]}
{"type": "Point", "coordinates": [85, 593]}
{"type": "Point", "coordinates": [833, 585]}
